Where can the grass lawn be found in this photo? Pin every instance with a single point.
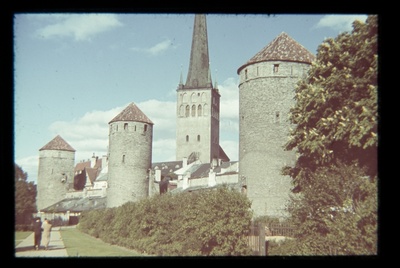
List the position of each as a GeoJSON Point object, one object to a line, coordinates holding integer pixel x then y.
{"type": "Point", "coordinates": [79, 244]}
{"type": "Point", "coordinates": [20, 236]}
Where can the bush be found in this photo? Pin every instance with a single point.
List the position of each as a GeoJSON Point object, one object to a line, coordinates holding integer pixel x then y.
{"type": "Point", "coordinates": [208, 222]}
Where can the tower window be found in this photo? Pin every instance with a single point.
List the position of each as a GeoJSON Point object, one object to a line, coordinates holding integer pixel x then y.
{"type": "Point", "coordinates": [194, 110]}
{"type": "Point", "coordinates": [245, 74]}
{"type": "Point", "coordinates": [126, 126]}
{"type": "Point", "coordinates": [198, 137]}
{"type": "Point", "coordinates": [187, 138]}
{"type": "Point", "coordinates": [187, 111]}
{"type": "Point", "coordinates": [135, 128]}
{"type": "Point", "coordinates": [276, 68]}
{"type": "Point", "coordinates": [123, 158]}
{"type": "Point", "coordinates": [199, 110]}
{"type": "Point", "coordinates": [145, 128]}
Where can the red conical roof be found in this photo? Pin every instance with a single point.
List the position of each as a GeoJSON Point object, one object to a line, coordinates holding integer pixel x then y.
{"type": "Point", "coordinates": [58, 143]}
{"type": "Point", "coordinates": [132, 113]}
{"type": "Point", "coordinates": [282, 48]}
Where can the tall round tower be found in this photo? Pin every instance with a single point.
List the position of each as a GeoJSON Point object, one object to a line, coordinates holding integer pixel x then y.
{"type": "Point", "coordinates": [129, 160]}
{"type": "Point", "coordinates": [266, 94]}
{"type": "Point", "coordinates": [56, 172]}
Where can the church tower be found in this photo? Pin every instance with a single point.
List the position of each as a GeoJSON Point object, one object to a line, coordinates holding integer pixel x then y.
{"type": "Point", "coordinates": [130, 152]}
{"type": "Point", "coordinates": [266, 94]}
{"type": "Point", "coordinates": [198, 105]}
{"type": "Point", "coordinates": [56, 172]}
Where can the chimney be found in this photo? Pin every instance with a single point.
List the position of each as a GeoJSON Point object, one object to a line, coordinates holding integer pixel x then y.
{"type": "Point", "coordinates": [104, 161]}
{"type": "Point", "coordinates": [158, 174]}
{"type": "Point", "coordinates": [93, 161]}
{"type": "Point", "coordinates": [184, 162]}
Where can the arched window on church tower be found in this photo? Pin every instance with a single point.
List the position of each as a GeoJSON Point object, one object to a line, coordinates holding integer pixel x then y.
{"type": "Point", "coordinates": [199, 110]}
{"type": "Point", "coordinates": [187, 111]}
{"type": "Point", "coordinates": [205, 110]}
{"type": "Point", "coordinates": [193, 110]}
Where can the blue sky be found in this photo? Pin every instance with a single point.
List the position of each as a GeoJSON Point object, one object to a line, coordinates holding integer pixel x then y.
{"type": "Point", "coordinates": [74, 72]}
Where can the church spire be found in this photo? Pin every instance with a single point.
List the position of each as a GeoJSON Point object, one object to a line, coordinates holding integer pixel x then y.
{"type": "Point", "coordinates": [198, 75]}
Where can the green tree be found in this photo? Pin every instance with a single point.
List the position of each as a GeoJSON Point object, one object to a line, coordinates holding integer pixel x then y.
{"type": "Point", "coordinates": [336, 138]}
{"type": "Point", "coordinates": [25, 196]}
{"type": "Point", "coordinates": [336, 107]}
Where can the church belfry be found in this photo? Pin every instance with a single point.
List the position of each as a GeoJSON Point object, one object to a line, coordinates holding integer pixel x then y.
{"type": "Point", "coordinates": [198, 105]}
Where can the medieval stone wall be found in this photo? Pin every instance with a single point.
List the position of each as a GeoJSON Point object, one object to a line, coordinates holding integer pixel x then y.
{"type": "Point", "coordinates": [266, 94]}
{"type": "Point", "coordinates": [197, 124]}
{"type": "Point", "coordinates": [55, 175]}
{"type": "Point", "coordinates": [130, 152]}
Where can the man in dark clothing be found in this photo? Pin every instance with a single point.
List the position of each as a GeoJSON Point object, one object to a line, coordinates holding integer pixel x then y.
{"type": "Point", "coordinates": [164, 185]}
{"type": "Point", "coordinates": [37, 229]}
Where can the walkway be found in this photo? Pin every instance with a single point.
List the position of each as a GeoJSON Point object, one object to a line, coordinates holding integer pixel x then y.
{"type": "Point", "coordinates": [56, 247]}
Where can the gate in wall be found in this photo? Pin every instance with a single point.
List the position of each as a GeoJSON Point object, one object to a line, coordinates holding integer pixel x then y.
{"type": "Point", "coordinates": [256, 239]}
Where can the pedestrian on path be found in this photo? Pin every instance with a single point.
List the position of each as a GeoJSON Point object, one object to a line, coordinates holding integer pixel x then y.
{"type": "Point", "coordinates": [46, 227]}
{"type": "Point", "coordinates": [37, 229]}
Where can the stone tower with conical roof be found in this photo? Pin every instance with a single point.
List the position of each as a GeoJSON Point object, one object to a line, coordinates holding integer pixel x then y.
{"type": "Point", "coordinates": [266, 94]}
{"type": "Point", "coordinates": [198, 105]}
{"type": "Point", "coordinates": [56, 172]}
{"type": "Point", "coordinates": [129, 159]}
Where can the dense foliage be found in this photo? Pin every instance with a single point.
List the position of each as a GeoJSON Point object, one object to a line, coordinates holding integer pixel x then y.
{"type": "Point", "coordinates": [336, 109]}
{"type": "Point", "coordinates": [206, 223]}
{"type": "Point", "coordinates": [335, 204]}
{"type": "Point", "coordinates": [25, 197]}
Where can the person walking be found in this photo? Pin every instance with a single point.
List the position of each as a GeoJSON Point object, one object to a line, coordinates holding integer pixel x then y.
{"type": "Point", "coordinates": [37, 229]}
{"type": "Point", "coordinates": [46, 227]}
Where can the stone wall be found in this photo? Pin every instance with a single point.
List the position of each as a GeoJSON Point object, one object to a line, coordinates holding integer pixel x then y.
{"type": "Point", "coordinates": [197, 128]}
{"type": "Point", "coordinates": [266, 94]}
{"type": "Point", "coordinates": [55, 174]}
{"type": "Point", "coordinates": [130, 152]}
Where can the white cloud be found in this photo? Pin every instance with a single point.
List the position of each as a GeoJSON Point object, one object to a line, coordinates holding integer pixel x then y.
{"type": "Point", "coordinates": [80, 27]}
{"type": "Point", "coordinates": [30, 166]}
{"type": "Point", "coordinates": [340, 23]}
{"type": "Point", "coordinates": [156, 49]}
{"type": "Point", "coordinates": [89, 133]}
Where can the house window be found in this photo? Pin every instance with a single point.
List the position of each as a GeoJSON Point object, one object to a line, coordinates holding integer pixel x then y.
{"type": "Point", "coordinates": [187, 138]}
{"type": "Point", "coordinates": [145, 128]}
{"type": "Point", "coordinates": [198, 137]}
{"type": "Point", "coordinates": [276, 68]}
{"type": "Point", "coordinates": [126, 126]}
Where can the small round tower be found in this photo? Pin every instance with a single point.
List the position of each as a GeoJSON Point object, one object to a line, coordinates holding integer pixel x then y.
{"type": "Point", "coordinates": [266, 94]}
{"type": "Point", "coordinates": [56, 172]}
{"type": "Point", "coordinates": [130, 153]}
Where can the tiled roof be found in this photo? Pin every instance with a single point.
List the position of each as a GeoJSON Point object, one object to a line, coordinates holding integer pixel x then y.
{"type": "Point", "coordinates": [283, 48]}
{"type": "Point", "coordinates": [222, 155]}
{"type": "Point", "coordinates": [82, 165]}
{"type": "Point", "coordinates": [86, 164]}
{"type": "Point", "coordinates": [132, 113]}
{"type": "Point", "coordinates": [77, 204]}
{"type": "Point", "coordinates": [58, 143]}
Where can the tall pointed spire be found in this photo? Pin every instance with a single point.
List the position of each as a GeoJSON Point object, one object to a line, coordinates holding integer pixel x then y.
{"type": "Point", "coordinates": [198, 75]}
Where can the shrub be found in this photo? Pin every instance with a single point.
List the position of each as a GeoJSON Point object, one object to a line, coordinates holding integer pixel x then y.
{"type": "Point", "coordinates": [208, 222]}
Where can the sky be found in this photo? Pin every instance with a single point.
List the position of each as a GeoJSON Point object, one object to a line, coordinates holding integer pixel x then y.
{"type": "Point", "coordinates": [73, 73]}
